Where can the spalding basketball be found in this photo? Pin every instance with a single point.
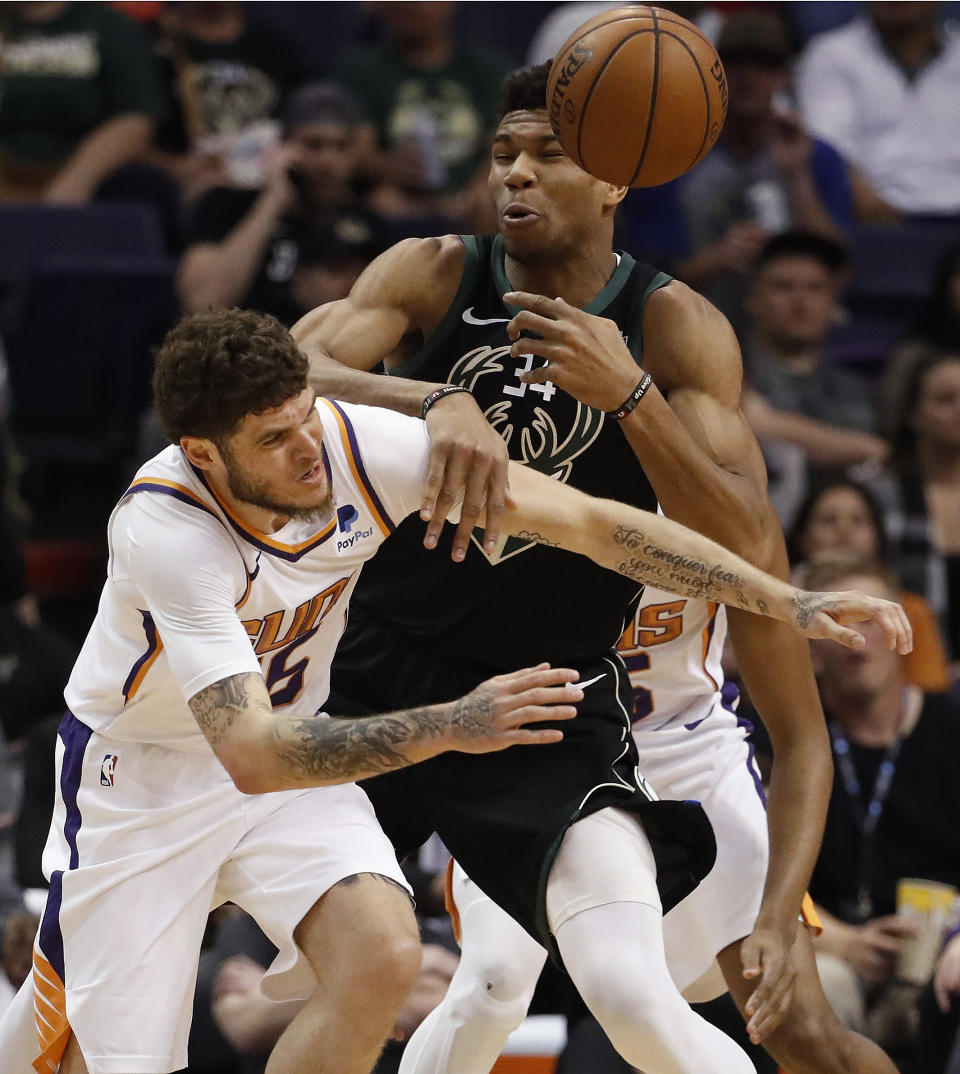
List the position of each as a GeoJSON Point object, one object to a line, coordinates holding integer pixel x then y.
{"type": "Point", "coordinates": [637, 96]}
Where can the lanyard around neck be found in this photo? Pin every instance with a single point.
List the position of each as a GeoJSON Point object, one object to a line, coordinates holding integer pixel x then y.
{"type": "Point", "coordinates": [867, 817]}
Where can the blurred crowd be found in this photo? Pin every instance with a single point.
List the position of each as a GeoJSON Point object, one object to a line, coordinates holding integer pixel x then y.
{"type": "Point", "coordinates": [158, 158]}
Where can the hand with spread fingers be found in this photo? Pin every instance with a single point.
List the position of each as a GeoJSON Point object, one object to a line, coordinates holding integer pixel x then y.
{"type": "Point", "coordinates": [468, 467]}
{"type": "Point", "coordinates": [585, 354]}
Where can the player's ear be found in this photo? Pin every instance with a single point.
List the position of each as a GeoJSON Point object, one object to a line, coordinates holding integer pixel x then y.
{"type": "Point", "coordinates": [201, 452]}
{"type": "Point", "coordinates": [614, 194]}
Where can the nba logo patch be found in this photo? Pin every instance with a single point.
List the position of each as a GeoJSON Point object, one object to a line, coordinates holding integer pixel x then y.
{"type": "Point", "coordinates": [107, 769]}
{"type": "Point", "coordinates": [346, 516]}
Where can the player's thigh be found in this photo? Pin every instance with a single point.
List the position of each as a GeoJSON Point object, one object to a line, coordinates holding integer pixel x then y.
{"type": "Point", "coordinates": [298, 848]}
{"type": "Point", "coordinates": [132, 857]}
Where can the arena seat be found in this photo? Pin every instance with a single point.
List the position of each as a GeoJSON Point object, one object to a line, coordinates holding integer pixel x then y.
{"type": "Point", "coordinates": [80, 362]}
{"type": "Point", "coordinates": [32, 234]}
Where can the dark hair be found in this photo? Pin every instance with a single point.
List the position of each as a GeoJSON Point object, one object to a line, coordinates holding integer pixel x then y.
{"type": "Point", "coordinates": [213, 368]}
{"type": "Point", "coordinates": [902, 435]}
{"type": "Point", "coordinates": [524, 90]}
{"type": "Point", "coordinates": [817, 491]}
{"type": "Point", "coordinates": [832, 255]}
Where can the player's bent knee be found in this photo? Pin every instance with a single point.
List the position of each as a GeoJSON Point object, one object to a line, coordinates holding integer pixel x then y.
{"type": "Point", "coordinates": [497, 980]}
{"type": "Point", "coordinates": [389, 972]}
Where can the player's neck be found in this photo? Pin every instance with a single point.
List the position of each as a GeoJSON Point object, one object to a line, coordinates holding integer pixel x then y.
{"type": "Point", "coordinates": [259, 519]}
{"type": "Point", "coordinates": [577, 280]}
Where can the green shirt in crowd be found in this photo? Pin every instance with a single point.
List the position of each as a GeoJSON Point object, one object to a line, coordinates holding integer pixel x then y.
{"type": "Point", "coordinates": [454, 107]}
{"type": "Point", "coordinates": [61, 79]}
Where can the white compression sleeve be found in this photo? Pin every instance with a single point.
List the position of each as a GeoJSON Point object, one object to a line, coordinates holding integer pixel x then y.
{"type": "Point", "coordinates": [488, 996]}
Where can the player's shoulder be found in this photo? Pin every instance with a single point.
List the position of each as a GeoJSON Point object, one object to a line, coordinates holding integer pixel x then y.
{"type": "Point", "coordinates": [434, 255]}
{"type": "Point", "coordinates": [685, 336]}
{"type": "Point", "coordinates": [356, 428]}
{"type": "Point", "coordinates": [417, 274]}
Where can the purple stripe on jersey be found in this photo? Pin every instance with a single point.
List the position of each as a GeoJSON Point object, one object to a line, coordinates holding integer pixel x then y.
{"type": "Point", "coordinates": [150, 630]}
{"type": "Point", "coordinates": [75, 737]}
{"type": "Point", "coordinates": [291, 555]}
{"type": "Point", "coordinates": [149, 486]}
{"type": "Point", "coordinates": [358, 462]}
{"type": "Point", "coordinates": [728, 702]}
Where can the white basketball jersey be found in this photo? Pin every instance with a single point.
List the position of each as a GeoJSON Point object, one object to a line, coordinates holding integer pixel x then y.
{"type": "Point", "coordinates": [672, 650]}
{"type": "Point", "coordinates": [194, 595]}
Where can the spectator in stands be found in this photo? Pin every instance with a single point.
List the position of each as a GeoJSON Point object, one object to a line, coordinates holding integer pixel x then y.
{"type": "Point", "coordinates": [79, 99]}
{"type": "Point", "coordinates": [765, 174]}
{"type": "Point", "coordinates": [883, 90]}
{"type": "Point", "coordinates": [896, 790]}
{"type": "Point", "coordinates": [303, 238]}
{"type": "Point", "coordinates": [841, 515]}
{"type": "Point", "coordinates": [921, 491]}
{"type": "Point", "coordinates": [939, 327]}
{"type": "Point", "coordinates": [224, 80]}
{"type": "Point", "coordinates": [432, 101]}
{"type": "Point", "coordinates": [791, 306]}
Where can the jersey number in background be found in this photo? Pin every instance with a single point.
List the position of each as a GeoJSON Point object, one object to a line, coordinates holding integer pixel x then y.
{"type": "Point", "coordinates": [654, 624]}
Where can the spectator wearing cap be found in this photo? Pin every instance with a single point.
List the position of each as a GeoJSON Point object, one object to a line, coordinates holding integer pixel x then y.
{"type": "Point", "coordinates": [300, 240]}
{"type": "Point", "coordinates": [883, 90]}
{"type": "Point", "coordinates": [764, 175]}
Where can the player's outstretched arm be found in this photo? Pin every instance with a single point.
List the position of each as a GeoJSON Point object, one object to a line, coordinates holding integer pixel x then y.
{"type": "Point", "coordinates": [656, 550]}
{"type": "Point", "coordinates": [266, 750]}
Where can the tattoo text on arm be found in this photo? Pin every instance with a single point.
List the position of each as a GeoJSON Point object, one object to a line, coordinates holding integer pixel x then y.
{"type": "Point", "coordinates": [671, 570]}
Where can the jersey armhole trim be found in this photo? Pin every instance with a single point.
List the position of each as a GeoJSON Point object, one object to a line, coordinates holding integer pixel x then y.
{"type": "Point", "coordinates": [431, 345]}
{"type": "Point", "coordinates": [364, 484]}
{"type": "Point", "coordinates": [636, 327]}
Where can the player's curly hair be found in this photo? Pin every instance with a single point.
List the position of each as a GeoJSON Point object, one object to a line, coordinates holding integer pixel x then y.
{"type": "Point", "coordinates": [213, 368]}
{"type": "Point", "coordinates": [524, 90]}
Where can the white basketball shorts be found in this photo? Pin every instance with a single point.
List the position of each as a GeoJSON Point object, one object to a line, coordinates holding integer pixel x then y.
{"type": "Point", "coordinates": [705, 756]}
{"type": "Point", "coordinates": [144, 842]}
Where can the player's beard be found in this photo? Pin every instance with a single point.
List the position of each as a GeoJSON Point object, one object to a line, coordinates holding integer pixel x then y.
{"type": "Point", "coordinates": [257, 495]}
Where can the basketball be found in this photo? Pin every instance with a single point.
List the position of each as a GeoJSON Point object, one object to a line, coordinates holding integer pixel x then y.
{"type": "Point", "coordinates": [637, 96]}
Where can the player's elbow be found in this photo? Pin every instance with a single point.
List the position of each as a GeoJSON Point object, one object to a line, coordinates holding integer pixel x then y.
{"type": "Point", "coordinates": [251, 769]}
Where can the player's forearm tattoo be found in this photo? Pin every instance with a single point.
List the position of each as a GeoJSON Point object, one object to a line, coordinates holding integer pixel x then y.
{"type": "Point", "coordinates": [537, 538]}
{"type": "Point", "coordinates": [808, 604]}
{"type": "Point", "coordinates": [338, 749]}
{"type": "Point", "coordinates": [682, 574]}
{"type": "Point", "coordinates": [216, 707]}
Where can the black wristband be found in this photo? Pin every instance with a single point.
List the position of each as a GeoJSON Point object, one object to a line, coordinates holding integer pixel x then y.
{"type": "Point", "coordinates": [447, 389]}
{"type": "Point", "coordinates": [632, 399]}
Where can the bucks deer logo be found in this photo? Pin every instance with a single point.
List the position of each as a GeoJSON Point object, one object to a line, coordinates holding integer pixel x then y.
{"type": "Point", "coordinates": [542, 445]}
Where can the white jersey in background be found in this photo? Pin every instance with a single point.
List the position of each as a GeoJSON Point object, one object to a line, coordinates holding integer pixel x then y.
{"type": "Point", "coordinates": [672, 650]}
